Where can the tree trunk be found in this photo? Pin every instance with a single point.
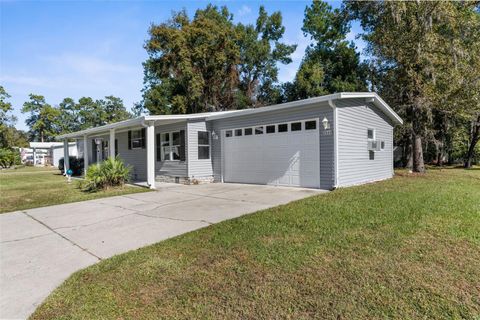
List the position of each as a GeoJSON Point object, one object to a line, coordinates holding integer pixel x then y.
{"type": "Point", "coordinates": [475, 136]}
{"type": "Point", "coordinates": [409, 155]}
{"type": "Point", "coordinates": [418, 164]}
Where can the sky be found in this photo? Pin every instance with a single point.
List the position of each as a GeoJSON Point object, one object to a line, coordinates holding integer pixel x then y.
{"type": "Point", "coordinates": [73, 49]}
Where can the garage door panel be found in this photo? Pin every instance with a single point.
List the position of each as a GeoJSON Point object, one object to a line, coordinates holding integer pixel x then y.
{"type": "Point", "coordinates": [290, 159]}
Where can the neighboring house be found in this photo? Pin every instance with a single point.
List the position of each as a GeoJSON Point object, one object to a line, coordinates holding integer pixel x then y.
{"type": "Point", "coordinates": [46, 153]}
{"type": "Point", "coordinates": [324, 142]}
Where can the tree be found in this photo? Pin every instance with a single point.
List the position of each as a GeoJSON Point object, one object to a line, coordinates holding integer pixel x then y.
{"type": "Point", "coordinates": [260, 51]}
{"type": "Point", "coordinates": [331, 64]}
{"type": "Point", "coordinates": [9, 135]}
{"type": "Point", "coordinates": [208, 63]}
{"type": "Point", "coordinates": [43, 120]}
{"type": "Point", "coordinates": [410, 46]}
{"type": "Point", "coordinates": [113, 109]}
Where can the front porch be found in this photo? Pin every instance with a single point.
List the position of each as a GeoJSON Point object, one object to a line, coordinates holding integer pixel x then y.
{"type": "Point", "coordinates": [158, 148]}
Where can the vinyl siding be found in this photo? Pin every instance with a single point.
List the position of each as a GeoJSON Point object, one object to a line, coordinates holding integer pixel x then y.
{"type": "Point", "coordinates": [137, 158]}
{"type": "Point", "coordinates": [198, 167]}
{"type": "Point", "coordinates": [300, 113]}
{"type": "Point", "coordinates": [355, 117]}
{"type": "Point", "coordinates": [171, 168]}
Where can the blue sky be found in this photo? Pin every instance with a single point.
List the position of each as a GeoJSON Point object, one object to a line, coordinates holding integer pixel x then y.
{"type": "Point", "coordinates": [95, 48]}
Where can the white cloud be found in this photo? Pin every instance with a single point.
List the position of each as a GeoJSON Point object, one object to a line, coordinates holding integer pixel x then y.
{"type": "Point", "coordinates": [288, 72]}
{"type": "Point", "coordinates": [244, 10]}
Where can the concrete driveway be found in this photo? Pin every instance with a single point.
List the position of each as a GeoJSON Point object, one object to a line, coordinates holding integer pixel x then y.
{"type": "Point", "coordinates": [40, 248]}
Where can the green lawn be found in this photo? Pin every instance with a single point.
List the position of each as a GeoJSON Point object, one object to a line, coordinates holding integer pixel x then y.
{"type": "Point", "coordinates": [30, 187]}
{"type": "Point", "coordinates": [407, 248]}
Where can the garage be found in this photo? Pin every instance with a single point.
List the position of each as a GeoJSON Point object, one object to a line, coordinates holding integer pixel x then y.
{"type": "Point", "coordinates": [283, 154]}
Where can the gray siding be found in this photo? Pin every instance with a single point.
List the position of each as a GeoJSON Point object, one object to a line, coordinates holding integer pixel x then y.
{"type": "Point", "coordinates": [198, 167]}
{"type": "Point", "coordinates": [171, 168]}
{"type": "Point", "coordinates": [317, 111]}
{"type": "Point", "coordinates": [137, 158]}
{"type": "Point", "coordinates": [354, 166]}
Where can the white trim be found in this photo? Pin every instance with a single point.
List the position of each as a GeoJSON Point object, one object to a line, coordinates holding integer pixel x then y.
{"type": "Point", "coordinates": [150, 143]}
{"type": "Point", "coordinates": [140, 121]}
{"type": "Point", "coordinates": [335, 142]}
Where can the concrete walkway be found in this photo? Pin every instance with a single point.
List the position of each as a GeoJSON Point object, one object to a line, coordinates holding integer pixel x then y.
{"type": "Point", "coordinates": [40, 248]}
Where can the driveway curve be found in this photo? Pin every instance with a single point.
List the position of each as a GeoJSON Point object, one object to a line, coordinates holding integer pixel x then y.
{"type": "Point", "coordinates": [40, 248]}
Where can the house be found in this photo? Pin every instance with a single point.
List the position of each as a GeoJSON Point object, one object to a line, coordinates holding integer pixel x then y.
{"type": "Point", "coordinates": [46, 153]}
{"type": "Point", "coordinates": [324, 142]}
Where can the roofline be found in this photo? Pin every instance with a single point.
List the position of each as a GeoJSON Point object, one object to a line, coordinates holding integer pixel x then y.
{"type": "Point", "coordinates": [379, 102]}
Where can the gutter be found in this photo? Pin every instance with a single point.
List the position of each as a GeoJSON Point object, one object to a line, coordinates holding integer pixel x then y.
{"type": "Point", "coordinates": [335, 142]}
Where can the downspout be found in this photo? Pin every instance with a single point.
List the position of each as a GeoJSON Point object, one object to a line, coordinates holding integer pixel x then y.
{"type": "Point", "coordinates": [335, 143]}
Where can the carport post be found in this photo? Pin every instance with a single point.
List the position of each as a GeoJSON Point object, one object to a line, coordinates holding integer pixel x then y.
{"type": "Point", "coordinates": [85, 154]}
{"type": "Point", "coordinates": [66, 159]}
{"type": "Point", "coordinates": [111, 144]}
{"type": "Point", "coordinates": [151, 155]}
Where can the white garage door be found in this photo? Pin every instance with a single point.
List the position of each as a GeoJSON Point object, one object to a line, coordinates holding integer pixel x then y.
{"type": "Point", "coordinates": [284, 154]}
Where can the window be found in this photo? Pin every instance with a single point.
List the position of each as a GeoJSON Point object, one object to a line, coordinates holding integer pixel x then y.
{"type": "Point", "coordinates": [238, 132]}
{"type": "Point", "coordinates": [283, 127]}
{"type": "Point", "coordinates": [248, 131]}
{"type": "Point", "coordinates": [228, 133]}
{"type": "Point", "coordinates": [203, 145]}
{"type": "Point", "coordinates": [136, 139]}
{"type": "Point", "coordinates": [270, 129]}
{"type": "Point", "coordinates": [382, 144]}
{"type": "Point", "coordinates": [371, 155]}
{"type": "Point", "coordinates": [296, 126]}
{"type": "Point", "coordinates": [259, 130]}
{"type": "Point", "coordinates": [371, 134]}
{"type": "Point", "coordinates": [310, 125]}
{"type": "Point", "coordinates": [171, 145]}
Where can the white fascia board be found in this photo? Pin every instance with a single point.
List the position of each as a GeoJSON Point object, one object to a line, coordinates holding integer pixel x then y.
{"type": "Point", "coordinates": [382, 105]}
{"type": "Point", "coordinates": [379, 102]}
{"type": "Point", "coordinates": [281, 106]}
{"type": "Point", "coordinates": [105, 128]}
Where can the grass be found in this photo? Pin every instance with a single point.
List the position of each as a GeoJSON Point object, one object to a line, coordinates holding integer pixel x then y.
{"type": "Point", "coordinates": [32, 187]}
{"type": "Point", "coordinates": [407, 248]}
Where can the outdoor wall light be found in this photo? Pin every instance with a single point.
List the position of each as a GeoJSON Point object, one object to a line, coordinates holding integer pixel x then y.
{"type": "Point", "coordinates": [326, 124]}
{"type": "Point", "coordinates": [214, 135]}
{"type": "Point", "coordinates": [98, 141]}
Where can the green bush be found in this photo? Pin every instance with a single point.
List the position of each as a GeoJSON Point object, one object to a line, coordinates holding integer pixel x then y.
{"type": "Point", "coordinates": [9, 157]}
{"type": "Point", "coordinates": [110, 173]}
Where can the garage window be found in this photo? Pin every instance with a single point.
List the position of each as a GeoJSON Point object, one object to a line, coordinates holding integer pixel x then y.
{"type": "Point", "coordinates": [238, 132]}
{"type": "Point", "coordinates": [270, 129]}
{"type": "Point", "coordinates": [310, 125]}
{"type": "Point", "coordinates": [283, 127]}
{"type": "Point", "coordinates": [228, 133]}
{"type": "Point", "coordinates": [248, 131]}
{"type": "Point", "coordinates": [259, 130]}
{"type": "Point", "coordinates": [203, 145]}
{"type": "Point", "coordinates": [296, 126]}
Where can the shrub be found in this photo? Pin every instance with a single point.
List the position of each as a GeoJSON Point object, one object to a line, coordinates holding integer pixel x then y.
{"type": "Point", "coordinates": [110, 173]}
{"type": "Point", "coordinates": [76, 164]}
{"type": "Point", "coordinates": [9, 157]}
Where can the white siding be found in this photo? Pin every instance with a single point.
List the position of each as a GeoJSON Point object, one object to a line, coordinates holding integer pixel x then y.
{"type": "Point", "coordinates": [355, 167]}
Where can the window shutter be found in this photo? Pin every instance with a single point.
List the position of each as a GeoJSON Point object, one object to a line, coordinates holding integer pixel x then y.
{"type": "Point", "coordinates": [116, 147]}
{"type": "Point", "coordinates": [181, 152]}
{"type": "Point", "coordinates": [143, 138]}
{"type": "Point", "coordinates": [159, 151]}
{"type": "Point", "coordinates": [129, 140]}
